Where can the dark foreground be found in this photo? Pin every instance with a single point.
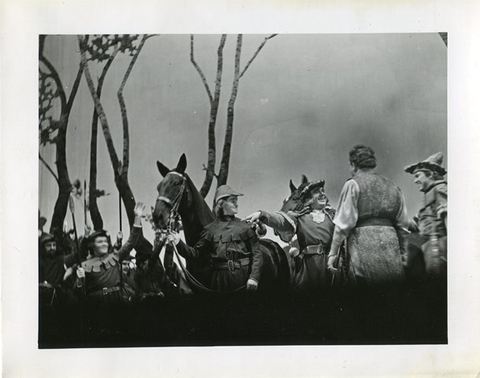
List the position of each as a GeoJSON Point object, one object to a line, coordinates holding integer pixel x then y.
{"type": "Point", "coordinates": [411, 317]}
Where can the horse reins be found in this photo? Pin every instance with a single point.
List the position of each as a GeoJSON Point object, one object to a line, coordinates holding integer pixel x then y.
{"type": "Point", "coordinates": [175, 204]}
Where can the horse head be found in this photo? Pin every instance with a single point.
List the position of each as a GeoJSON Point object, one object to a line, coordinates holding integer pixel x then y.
{"type": "Point", "coordinates": [294, 201]}
{"type": "Point", "coordinates": [171, 192]}
{"type": "Point", "coordinates": [177, 195]}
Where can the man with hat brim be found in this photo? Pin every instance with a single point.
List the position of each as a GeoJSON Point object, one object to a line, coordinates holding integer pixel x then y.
{"type": "Point", "coordinates": [102, 271]}
{"type": "Point", "coordinates": [231, 244]}
{"type": "Point", "coordinates": [432, 217]}
{"type": "Point", "coordinates": [313, 227]}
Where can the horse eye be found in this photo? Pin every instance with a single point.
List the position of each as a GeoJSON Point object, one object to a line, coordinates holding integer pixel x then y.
{"type": "Point", "coordinates": [295, 198]}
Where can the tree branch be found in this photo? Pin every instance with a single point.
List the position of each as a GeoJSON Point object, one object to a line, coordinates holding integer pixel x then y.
{"type": "Point", "coordinates": [56, 77]}
{"type": "Point", "coordinates": [123, 108]}
{"type": "Point", "coordinates": [210, 169]}
{"type": "Point", "coordinates": [49, 168]}
{"type": "Point", "coordinates": [200, 72]}
{"type": "Point", "coordinates": [227, 144]}
{"type": "Point", "coordinates": [99, 108]}
{"type": "Point", "coordinates": [75, 86]}
{"type": "Point", "coordinates": [256, 53]}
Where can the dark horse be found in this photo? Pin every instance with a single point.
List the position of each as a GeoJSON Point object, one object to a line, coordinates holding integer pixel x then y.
{"type": "Point", "coordinates": [177, 193]}
{"type": "Point", "coordinates": [415, 267]}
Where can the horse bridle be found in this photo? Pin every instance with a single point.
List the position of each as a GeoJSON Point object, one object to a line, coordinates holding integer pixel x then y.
{"type": "Point", "coordinates": [175, 203]}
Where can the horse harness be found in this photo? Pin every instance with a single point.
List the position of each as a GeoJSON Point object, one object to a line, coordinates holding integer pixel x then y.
{"type": "Point", "coordinates": [173, 216]}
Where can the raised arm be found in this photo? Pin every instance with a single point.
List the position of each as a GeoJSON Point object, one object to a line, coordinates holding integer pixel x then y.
{"type": "Point", "coordinates": [135, 234]}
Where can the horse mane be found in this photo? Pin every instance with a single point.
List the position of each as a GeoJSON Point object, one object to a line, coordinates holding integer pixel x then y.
{"type": "Point", "coordinates": [197, 216]}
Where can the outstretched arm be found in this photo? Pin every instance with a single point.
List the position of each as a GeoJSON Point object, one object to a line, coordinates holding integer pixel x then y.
{"type": "Point", "coordinates": [278, 221]}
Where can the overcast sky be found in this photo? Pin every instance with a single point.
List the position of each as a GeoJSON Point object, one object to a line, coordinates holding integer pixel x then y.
{"type": "Point", "coordinates": [301, 106]}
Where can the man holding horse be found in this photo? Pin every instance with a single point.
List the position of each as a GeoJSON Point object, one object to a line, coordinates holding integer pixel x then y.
{"type": "Point", "coordinates": [432, 217]}
{"type": "Point", "coordinates": [314, 228]}
{"type": "Point", "coordinates": [231, 244]}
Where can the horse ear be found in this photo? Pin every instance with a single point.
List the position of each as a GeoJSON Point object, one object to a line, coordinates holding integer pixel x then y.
{"type": "Point", "coordinates": [182, 164]}
{"type": "Point", "coordinates": [304, 179]}
{"type": "Point", "coordinates": [292, 187]}
{"type": "Point", "coordinates": [162, 169]}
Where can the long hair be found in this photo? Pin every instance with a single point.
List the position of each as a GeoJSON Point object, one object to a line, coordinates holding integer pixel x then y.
{"type": "Point", "coordinates": [218, 208]}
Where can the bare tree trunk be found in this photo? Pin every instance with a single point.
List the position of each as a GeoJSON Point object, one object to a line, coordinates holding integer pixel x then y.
{"type": "Point", "coordinates": [214, 103]}
{"type": "Point", "coordinates": [64, 184]}
{"type": "Point", "coordinates": [227, 145]}
{"type": "Point", "coordinates": [121, 181]}
{"type": "Point", "coordinates": [93, 206]}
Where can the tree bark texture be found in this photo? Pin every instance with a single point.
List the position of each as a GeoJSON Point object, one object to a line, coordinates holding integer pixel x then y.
{"type": "Point", "coordinates": [64, 184]}
{"type": "Point", "coordinates": [93, 206]}
{"type": "Point", "coordinates": [227, 145]}
{"type": "Point", "coordinates": [121, 180]}
{"type": "Point", "coordinates": [214, 104]}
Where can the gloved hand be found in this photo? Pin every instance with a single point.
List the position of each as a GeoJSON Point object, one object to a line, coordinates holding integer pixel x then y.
{"type": "Point", "coordinates": [254, 217]}
{"type": "Point", "coordinates": [294, 252]}
{"type": "Point", "coordinates": [173, 238]}
{"type": "Point", "coordinates": [252, 284]}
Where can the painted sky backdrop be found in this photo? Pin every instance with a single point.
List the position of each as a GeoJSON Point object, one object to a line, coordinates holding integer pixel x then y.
{"type": "Point", "coordinates": [301, 106]}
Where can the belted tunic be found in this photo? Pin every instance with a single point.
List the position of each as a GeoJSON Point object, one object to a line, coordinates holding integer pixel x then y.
{"type": "Point", "coordinates": [233, 248]}
{"type": "Point", "coordinates": [314, 233]}
{"type": "Point", "coordinates": [371, 213]}
{"type": "Point", "coordinates": [103, 274]}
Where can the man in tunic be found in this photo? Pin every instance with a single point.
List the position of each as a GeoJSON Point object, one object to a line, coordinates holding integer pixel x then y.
{"type": "Point", "coordinates": [371, 217]}
{"type": "Point", "coordinates": [432, 217]}
{"type": "Point", "coordinates": [231, 244]}
{"type": "Point", "coordinates": [314, 228]}
{"type": "Point", "coordinates": [100, 276]}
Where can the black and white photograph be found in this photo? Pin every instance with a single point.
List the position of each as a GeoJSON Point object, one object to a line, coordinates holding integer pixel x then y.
{"type": "Point", "coordinates": [285, 189]}
{"type": "Point", "coordinates": [242, 191]}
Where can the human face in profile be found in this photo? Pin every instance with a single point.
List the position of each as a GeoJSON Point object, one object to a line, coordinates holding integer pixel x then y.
{"type": "Point", "coordinates": [230, 206]}
{"type": "Point", "coordinates": [422, 180]}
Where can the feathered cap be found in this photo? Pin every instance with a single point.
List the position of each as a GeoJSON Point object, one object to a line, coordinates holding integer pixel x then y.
{"type": "Point", "coordinates": [432, 163]}
{"type": "Point", "coordinates": [311, 186]}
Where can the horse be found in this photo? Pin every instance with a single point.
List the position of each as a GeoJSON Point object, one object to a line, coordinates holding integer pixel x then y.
{"type": "Point", "coordinates": [177, 193]}
{"type": "Point", "coordinates": [293, 201]}
{"type": "Point", "coordinates": [415, 265]}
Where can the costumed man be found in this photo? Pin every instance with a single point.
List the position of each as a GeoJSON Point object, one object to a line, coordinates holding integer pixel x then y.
{"type": "Point", "coordinates": [100, 276]}
{"type": "Point", "coordinates": [314, 228]}
{"type": "Point", "coordinates": [432, 217]}
{"type": "Point", "coordinates": [54, 271]}
{"type": "Point", "coordinates": [371, 216]}
{"type": "Point", "coordinates": [232, 245]}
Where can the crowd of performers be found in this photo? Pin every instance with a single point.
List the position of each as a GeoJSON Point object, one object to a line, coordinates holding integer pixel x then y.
{"type": "Point", "coordinates": [364, 242]}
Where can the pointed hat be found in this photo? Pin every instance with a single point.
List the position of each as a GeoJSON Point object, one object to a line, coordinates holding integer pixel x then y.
{"type": "Point", "coordinates": [432, 163]}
